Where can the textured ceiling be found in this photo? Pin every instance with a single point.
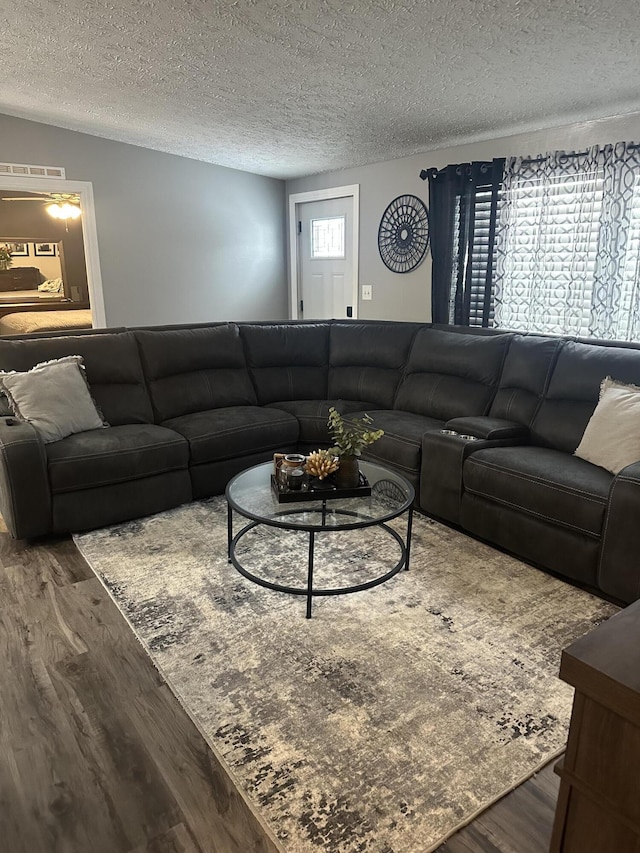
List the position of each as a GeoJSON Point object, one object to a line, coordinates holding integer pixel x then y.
{"type": "Point", "coordinates": [292, 88]}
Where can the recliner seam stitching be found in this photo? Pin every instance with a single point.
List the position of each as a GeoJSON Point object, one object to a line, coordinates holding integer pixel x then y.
{"type": "Point", "coordinates": [533, 512]}
{"type": "Point", "coordinates": [606, 526]}
{"type": "Point", "coordinates": [548, 483]}
{"type": "Point", "coordinates": [234, 429]}
{"type": "Point", "coordinates": [116, 451]}
{"type": "Point", "coordinates": [114, 481]}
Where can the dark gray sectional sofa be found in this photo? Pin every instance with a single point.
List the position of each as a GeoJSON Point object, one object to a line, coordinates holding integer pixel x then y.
{"type": "Point", "coordinates": [191, 406]}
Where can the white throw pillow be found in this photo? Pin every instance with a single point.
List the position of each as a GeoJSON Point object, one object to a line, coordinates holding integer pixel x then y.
{"type": "Point", "coordinates": [54, 397]}
{"type": "Point", "coordinates": [51, 285]}
{"type": "Point", "coordinates": [608, 382]}
{"type": "Point", "coordinates": [612, 437]}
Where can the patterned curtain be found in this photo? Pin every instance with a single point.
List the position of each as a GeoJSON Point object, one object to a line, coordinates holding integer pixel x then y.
{"type": "Point", "coordinates": [615, 309]}
{"type": "Point", "coordinates": [568, 243]}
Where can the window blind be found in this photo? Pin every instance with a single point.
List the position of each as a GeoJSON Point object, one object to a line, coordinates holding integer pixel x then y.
{"type": "Point", "coordinates": [463, 208]}
{"type": "Point", "coordinates": [481, 258]}
{"type": "Point", "coordinates": [550, 255]}
{"type": "Point", "coordinates": [568, 243]}
{"type": "Point", "coordinates": [477, 255]}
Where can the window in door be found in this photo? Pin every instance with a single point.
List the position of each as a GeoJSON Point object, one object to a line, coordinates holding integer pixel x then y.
{"type": "Point", "coordinates": [327, 238]}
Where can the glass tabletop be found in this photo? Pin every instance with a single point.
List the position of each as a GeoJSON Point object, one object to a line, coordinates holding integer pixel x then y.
{"type": "Point", "coordinates": [250, 494]}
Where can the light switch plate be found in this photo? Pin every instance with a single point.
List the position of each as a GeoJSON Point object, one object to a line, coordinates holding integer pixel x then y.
{"type": "Point", "coordinates": [367, 291]}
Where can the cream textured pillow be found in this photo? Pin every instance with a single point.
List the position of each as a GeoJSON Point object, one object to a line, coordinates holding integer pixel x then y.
{"type": "Point", "coordinates": [51, 285]}
{"type": "Point", "coordinates": [612, 437]}
{"type": "Point", "coordinates": [54, 397]}
{"type": "Point", "coordinates": [608, 382]}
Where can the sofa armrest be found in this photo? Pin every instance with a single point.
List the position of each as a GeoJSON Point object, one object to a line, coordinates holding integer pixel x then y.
{"type": "Point", "coordinates": [490, 428]}
{"type": "Point", "coordinates": [619, 568]}
{"type": "Point", "coordinates": [25, 498]}
{"type": "Point", "coordinates": [443, 455]}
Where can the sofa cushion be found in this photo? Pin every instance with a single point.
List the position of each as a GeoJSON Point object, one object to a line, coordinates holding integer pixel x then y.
{"type": "Point", "coordinates": [547, 483]}
{"type": "Point", "coordinates": [366, 360]}
{"type": "Point", "coordinates": [116, 455]}
{"type": "Point", "coordinates": [401, 444]}
{"type": "Point", "coordinates": [235, 431]}
{"type": "Point", "coordinates": [450, 375]}
{"type": "Point", "coordinates": [525, 376]}
{"type": "Point", "coordinates": [195, 369]}
{"type": "Point", "coordinates": [312, 415]}
{"type": "Point", "coordinates": [287, 361]}
{"type": "Point", "coordinates": [53, 397]}
{"type": "Point", "coordinates": [112, 363]}
{"type": "Point", "coordinates": [574, 390]}
{"type": "Point", "coordinates": [612, 436]}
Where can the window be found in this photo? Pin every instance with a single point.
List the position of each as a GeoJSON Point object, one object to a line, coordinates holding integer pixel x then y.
{"type": "Point", "coordinates": [548, 245]}
{"type": "Point", "coordinates": [568, 243]}
{"type": "Point", "coordinates": [327, 238]}
{"type": "Point", "coordinates": [478, 254]}
{"type": "Point", "coordinates": [463, 200]}
{"type": "Point", "coordinates": [549, 254]}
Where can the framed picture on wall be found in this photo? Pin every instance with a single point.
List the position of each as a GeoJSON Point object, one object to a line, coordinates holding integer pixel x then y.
{"type": "Point", "coordinates": [44, 250]}
{"type": "Point", "coordinates": [19, 250]}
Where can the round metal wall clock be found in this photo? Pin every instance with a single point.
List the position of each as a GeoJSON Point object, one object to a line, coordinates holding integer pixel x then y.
{"type": "Point", "coordinates": [403, 235]}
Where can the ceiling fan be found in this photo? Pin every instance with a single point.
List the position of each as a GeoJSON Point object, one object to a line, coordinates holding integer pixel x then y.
{"type": "Point", "coordinates": [59, 205]}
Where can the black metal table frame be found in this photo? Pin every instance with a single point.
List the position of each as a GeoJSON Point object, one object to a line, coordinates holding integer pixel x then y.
{"type": "Point", "coordinates": [308, 590]}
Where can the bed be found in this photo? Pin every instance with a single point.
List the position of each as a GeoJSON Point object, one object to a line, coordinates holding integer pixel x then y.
{"type": "Point", "coordinates": [26, 322]}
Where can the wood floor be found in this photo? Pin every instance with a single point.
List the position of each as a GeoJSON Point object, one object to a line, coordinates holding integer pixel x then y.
{"type": "Point", "coordinates": [97, 756]}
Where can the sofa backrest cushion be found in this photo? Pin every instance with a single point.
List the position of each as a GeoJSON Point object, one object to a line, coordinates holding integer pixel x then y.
{"type": "Point", "coordinates": [113, 369]}
{"type": "Point", "coordinates": [194, 370]}
{"type": "Point", "coordinates": [287, 361]}
{"type": "Point", "coordinates": [525, 376]}
{"type": "Point", "coordinates": [574, 389]}
{"type": "Point", "coordinates": [366, 360]}
{"type": "Point", "coordinates": [451, 375]}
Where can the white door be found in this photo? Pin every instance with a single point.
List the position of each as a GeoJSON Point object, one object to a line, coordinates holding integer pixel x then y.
{"type": "Point", "coordinates": [325, 262]}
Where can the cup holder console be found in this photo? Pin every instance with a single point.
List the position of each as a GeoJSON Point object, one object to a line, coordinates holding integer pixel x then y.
{"type": "Point", "coordinates": [459, 435]}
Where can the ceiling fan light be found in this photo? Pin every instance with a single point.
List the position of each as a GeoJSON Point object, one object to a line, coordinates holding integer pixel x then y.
{"type": "Point", "coordinates": [64, 210]}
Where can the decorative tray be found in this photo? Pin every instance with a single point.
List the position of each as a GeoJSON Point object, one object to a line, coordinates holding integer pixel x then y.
{"type": "Point", "coordinates": [327, 492]}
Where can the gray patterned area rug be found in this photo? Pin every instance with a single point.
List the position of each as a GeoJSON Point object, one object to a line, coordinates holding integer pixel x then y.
{"type": "Point", "coordinates": [389, 719]}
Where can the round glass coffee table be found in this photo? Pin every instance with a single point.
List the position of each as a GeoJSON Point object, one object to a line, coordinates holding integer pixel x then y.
{"type": "Point", "coordinates": [250, 495]}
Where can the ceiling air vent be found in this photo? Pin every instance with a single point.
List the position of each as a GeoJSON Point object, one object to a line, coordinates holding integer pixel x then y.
{"type": "Point", "coordinates": [32, 171]}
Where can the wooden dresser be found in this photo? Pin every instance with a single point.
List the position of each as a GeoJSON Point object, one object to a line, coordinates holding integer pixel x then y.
{"type": "Point", "coordinates": [598, 807]}
{"type": "Point", "coordinates": [20, 278]}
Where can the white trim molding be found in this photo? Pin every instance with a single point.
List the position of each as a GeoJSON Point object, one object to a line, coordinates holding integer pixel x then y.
{"type": "Point", "coordinates": [84, 190]}
{"type": "Point", "coordinates": [353, 190]}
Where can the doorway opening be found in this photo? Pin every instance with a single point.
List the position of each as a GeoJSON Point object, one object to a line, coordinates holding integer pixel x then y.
{"type": "Point", "coordinates": [323, 253]}
{"type": "Point", "coordinates": [53, 269]}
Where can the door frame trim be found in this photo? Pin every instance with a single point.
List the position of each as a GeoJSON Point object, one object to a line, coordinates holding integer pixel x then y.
{"type": "Point", "coordinates": [84, 189]}
{"type": "Point", "coordinates": [353, 191]}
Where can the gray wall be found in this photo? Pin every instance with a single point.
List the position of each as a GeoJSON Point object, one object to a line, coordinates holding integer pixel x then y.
{"type": "Point", "coordinates": [180, 241]}
{"type": "Point", "coordinates": [408, 296]}
{"type": "Point", "coordinates": [183, 241]}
